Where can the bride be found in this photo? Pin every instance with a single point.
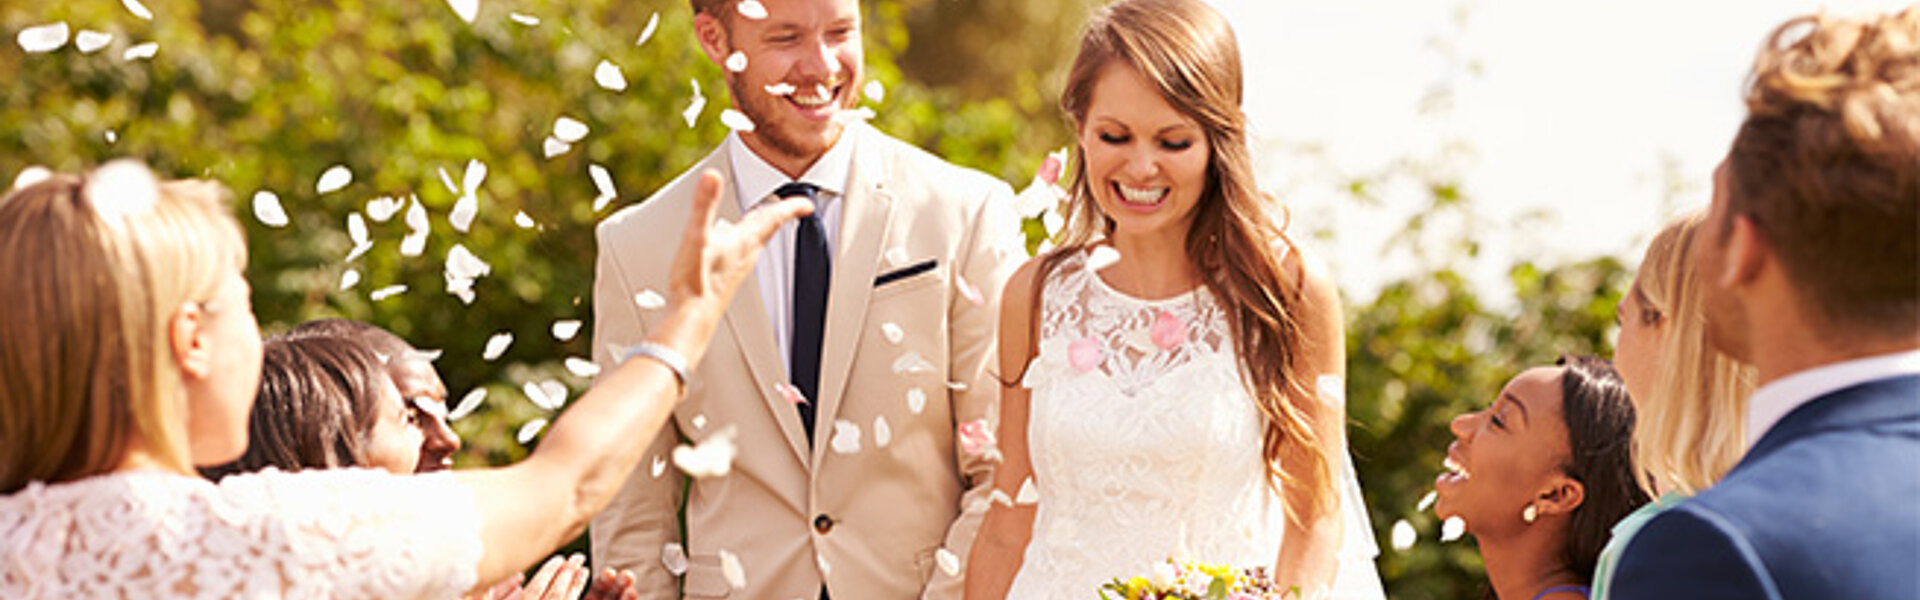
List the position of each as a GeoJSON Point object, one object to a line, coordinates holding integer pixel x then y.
{"type": "Point", "coordinates": [1180, 391]}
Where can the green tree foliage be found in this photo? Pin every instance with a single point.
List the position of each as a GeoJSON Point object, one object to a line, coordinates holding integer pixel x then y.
{"type": "Point", "coordinates": [265, 95]}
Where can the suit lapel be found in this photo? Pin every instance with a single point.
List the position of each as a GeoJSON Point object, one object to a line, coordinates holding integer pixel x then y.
{"type": "Point", "coordinates": [863, 228]}
{"type": "Point", "coordinates": [753, 333]}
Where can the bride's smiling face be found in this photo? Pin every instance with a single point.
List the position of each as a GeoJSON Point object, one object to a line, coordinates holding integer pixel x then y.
{"type": "Point", "coordinates": [1146, 162]}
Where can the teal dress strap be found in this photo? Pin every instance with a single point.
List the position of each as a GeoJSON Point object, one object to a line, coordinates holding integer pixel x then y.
{"type": "Point", "coordinates": [1623, 534]}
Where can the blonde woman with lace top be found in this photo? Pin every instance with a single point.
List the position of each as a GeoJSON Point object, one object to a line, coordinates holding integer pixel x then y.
{"type": "Point", "coordinates": [129, 354]}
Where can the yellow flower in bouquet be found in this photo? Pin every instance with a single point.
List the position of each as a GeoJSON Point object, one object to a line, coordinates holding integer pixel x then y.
{"type": "Point", "coordinates": [1188, 580]}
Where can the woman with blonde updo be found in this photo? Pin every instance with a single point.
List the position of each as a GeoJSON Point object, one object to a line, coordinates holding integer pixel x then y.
{"type": "Point", "coordinates": [129, 354]}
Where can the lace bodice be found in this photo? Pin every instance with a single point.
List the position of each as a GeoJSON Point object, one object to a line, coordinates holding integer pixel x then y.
{"type": "Point", "coordinates": [1144, 442]}
{"type": "Point", "coordinates": [316, 534]}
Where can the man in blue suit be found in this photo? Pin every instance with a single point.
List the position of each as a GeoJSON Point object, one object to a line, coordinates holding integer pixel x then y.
{"type": "Point", "coordinates": [1812, 268]}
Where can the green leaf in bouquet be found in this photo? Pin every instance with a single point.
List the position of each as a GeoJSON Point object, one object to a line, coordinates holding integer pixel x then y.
{"type": "Point", "coordinates": [1217, 590]}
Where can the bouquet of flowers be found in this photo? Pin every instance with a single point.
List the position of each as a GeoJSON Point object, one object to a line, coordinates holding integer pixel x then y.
{"type": "Point", "coordinates": [1186, 580]}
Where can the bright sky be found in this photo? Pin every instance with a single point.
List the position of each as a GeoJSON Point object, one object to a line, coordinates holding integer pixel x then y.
{"type": "Point", "coordinates": [1576, 111]}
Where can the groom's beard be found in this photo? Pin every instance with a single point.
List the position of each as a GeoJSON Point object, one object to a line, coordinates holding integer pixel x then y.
{"type": "Point", "coordinates": [775, 124]}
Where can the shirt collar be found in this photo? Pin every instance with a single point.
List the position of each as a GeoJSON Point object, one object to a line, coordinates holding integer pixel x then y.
{"type": "Point", "coordinates": [755, 179]}
{"type": "Point", "coordinates": [1773, 401]}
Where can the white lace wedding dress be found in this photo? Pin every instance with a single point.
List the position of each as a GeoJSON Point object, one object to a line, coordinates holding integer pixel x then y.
{"type": "Point", "coordinates": [1145, 449]}
{"type": "Point", "coordinates": [351, 533]}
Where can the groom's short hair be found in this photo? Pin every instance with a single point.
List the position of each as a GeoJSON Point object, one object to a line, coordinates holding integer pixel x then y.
{"type": "Point", "coordinates": [1827, 166]}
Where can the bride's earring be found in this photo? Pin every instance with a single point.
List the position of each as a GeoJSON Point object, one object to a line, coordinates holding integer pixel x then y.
{"type": "Point", "coordinates": [1529, 514]}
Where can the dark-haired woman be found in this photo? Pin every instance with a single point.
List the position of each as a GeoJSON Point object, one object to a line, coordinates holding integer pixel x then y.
{"type": "Point", "coordinates": [1541, 475]}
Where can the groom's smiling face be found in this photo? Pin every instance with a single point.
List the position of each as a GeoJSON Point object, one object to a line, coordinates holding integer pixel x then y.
{"type": "Point", "coordinates": [803, 70]}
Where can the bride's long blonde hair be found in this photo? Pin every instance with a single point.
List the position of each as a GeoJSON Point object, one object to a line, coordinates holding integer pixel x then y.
{"type": "Point", "coordinates": [1188, 52]}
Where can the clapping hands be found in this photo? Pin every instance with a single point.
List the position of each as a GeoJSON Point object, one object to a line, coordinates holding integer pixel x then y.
{"type": "Point", "coordinates": [560, 579]}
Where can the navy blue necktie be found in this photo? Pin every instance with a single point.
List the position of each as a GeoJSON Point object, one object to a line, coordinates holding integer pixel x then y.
{"type": "Point", "coordinates": [811, 274]}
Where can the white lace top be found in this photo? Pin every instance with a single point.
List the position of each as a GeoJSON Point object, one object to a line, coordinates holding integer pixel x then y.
{"type": "Point", "coordinates": [352, 533]}
{"type": "Point", "coordinates": [1144, 442]}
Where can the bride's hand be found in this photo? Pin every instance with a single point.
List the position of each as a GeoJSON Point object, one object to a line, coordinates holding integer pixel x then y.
{"type": "Point", "coordinates": [716, 255]}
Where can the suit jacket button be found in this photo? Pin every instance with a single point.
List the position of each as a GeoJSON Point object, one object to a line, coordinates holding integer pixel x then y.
{"type": "Point", "coordinates": [823, 523]}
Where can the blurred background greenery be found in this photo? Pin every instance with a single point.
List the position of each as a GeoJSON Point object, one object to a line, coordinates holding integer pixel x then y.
{"type": "Point", "coordinates": [265, 95]}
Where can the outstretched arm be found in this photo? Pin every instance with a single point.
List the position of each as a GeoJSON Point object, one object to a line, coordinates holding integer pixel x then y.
{"type": "Point", "coordinates": [1309, 559]}
{"type": "Point", "coordinates": [530, 508]}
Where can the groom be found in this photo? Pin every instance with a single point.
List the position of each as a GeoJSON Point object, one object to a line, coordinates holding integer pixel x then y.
{"type": "Point", "coordinates": [1813, 274]}
{"type": "Point", "coordinates": [845, 366]}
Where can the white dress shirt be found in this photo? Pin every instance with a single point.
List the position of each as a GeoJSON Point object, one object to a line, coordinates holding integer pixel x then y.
{"type": "Point", "coordinates": [1773, 401]}
{"type": "Point", "coordinates": [753, 183]}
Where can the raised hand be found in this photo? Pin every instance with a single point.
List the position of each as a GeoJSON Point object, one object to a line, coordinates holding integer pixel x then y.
{"type": "Point", "coordinates": [716, 255]}
{"type": "Point", "coordinates": [609, 585]}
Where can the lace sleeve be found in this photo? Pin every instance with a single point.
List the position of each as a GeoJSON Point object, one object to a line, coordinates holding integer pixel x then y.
{"type": "Point", "coordinates": [359, 533]}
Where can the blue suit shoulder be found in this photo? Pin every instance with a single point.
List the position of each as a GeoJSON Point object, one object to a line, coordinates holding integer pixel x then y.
{"type": "Point", "coordinates": [1826, 505]}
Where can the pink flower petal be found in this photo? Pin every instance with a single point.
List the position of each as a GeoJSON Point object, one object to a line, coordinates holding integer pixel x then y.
{"type": "Point", "coordinates": [1050, 169]}
{"type": "Point", "coordinates": [1084, 354]}
{"type": "Point", "coordinates": [972, 294]}
{"type": "Point", "coordinates": [792, 394]}
{"type": "Point", "coordinates": [976, 437]}
{"type": "Point", "coordinates": [1168, 331]}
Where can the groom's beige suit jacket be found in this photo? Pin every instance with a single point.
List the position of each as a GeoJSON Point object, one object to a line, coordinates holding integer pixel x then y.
{"type": "Point", "coordinates": [869, 523]}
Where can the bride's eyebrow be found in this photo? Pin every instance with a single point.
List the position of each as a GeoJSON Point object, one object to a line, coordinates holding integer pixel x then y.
{"type": "Point", "coordinates": [1515, 400]}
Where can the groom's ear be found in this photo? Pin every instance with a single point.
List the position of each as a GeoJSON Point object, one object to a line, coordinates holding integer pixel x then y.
{"type": "Point", "coordinates": [712, 33]}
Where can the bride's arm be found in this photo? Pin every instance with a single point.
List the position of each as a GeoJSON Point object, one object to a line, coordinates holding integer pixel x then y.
{"type": "Point", "coordinates": [1002, 542]}
{"type": "Point", "coordinates": [528, 509]}
{"type": "Point", "coordinates": [1309, 553]}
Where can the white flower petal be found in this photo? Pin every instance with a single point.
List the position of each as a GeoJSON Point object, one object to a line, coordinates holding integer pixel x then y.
{"type": "Point", "coordinates": [892, 332]}
{"type": "Point", "coordinates": [43, 38]}
{"type": "Point", "coordinates": [464, 210]}
{"type": "Point", "coordinates": [737, 61]}
{"type": "Point", "coordinates": [582, 367]}
{"type": "Point", "coordinates": [414, 244]}
{"type": "Point", "coordinates": [646, 33]}
{"type": "Point", "coordinates": [736, 120]}
{"type": "Point", "coordinates": [141, 51]}
{"type": "Point", "coordinates": [882, 434]}
{"type": "Point", "coordinates": [467, 10]}
{"type": "Point", "coordinates": [658, 468]}
{"type": "Point", "coordinates": [356, 228]}
{"type": "Point", "coordinates": [602, 180]}
{"type": "Point", "coordinates": [911, 363]}
{"type": "Point", "coordinates": [565, 329]}
{"type": "Point", "coordinates": [874, 90]}
{"type": "Point", "coordinates": [496, 346]}
{"type": "Point", "coordinates": [1000, 497]}
{"type": "Point", "coordinates": [388, 292]}
{"type": "Point", "coordinates": [730, 568]}
{"type": "Point", "coordinates": [916, 400]}
{"type": "Point", "coordinates": [1426, 501]}
{"type": "Point", "coordinates": [31, 175]}
{"type": "Point", "coordinates": [138, 9]}
{"type": "Point", "coordinates": [468, 404]}
{"type": "Point", "coordinates": [846, 436]}
{"type": "Point", "coordinates": [335, 177]}
{"type": "Point", "coordinates": [529, 430]}
{"type": "Point", "coordinates": [752, 9]}
{"type": "Point", "coordinates": [383, 208]}
{"type": "Point", "coordinates": [674, 558]}
{"type": "Point", "coordinates": [521, 219]}
{"type": "Point", "coordinates": [699, 422]}
{"type": "Point", "coordinates": [524, 19]}
{"type": "Point", "coordinates": [896, 256]}
{"type": "Point", "coordinates": [266, 208]}
{"type": "Point", "coordinates": [475, 175]}
{"type": "Point", "coordinates": [699, 103]}
{"type": "Point", "coordinates": [1331, 389]}
{"type": "Point", "coordinates": [608, 76]}
{"type": "Point", "coordinates": [569, 130]}
{"type": "Point", "coordinates": [710, 457]}
{"type": "Point", "coordinates": [1029, 494]}
{"type": "Point", "coordinates": [1403, 535]}
{"type": "Point", "coordinates": [554, 147]}
{"type": "Point", "coordinates": [949, 562]}
{"type": "Point", "coordinates": [349, 279]}
{"type": "Point", "coordinates": [649, 300]}
{"type": "Point", "coordinates": [462, 264]}
{"type": "Point", "coordinates": [601, 202]}
{"type": "Point", "coordinates": [856, 115]}
{"type": "Point", "coordinates": [1452, 529]}
{"type": "Point", "coordinates": [549, 394]}
{"type": "Point", "coordinates": [1102, 257]}
{"type": "Point", "coordinates": [447, 180]}
{"type": "Point", "coordinates": [89, 41]}
{"type": "Point", "coordinates": [358, 249]}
